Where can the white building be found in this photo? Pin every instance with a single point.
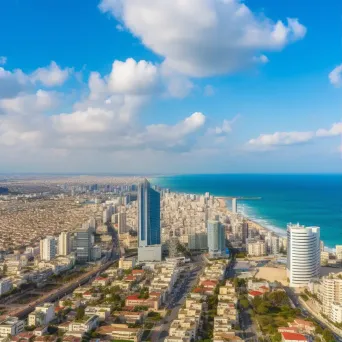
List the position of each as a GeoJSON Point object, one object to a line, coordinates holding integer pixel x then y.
{"type": "Point", "coordinates": [42, 315]}
{"type": "Point", "coordinates": [256, 247]}
{"type": "Point", "coordinates": [48, 248]}
{"type": "Point", "coordinates": [331, 292]}
{"type": "Point", "coordinates": [336, 313]}
{"type": "Point", "coordinates": [64, 247]}
{"type": "Point", "coordinates": [339, 252]}
{"type": "Point", "coordinates": [11, 326]}
{"type": "Point", "coordinates": [5, 286]}
{"type": "Point", "coordinates": [303, 254]}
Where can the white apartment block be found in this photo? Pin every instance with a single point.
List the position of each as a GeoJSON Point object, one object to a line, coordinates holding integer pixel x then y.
{"type": "Point", "coordinates": [48, 248]}
{"type": "Point", "coordinates": [336, 313]}
{"type": "Point", "coordinates": [11, 326]}
{"type": "Point", "coordinates": [339, 252]}
{"type": "Point", "coordinates": [256, 247]}
{"type": "Point", "coordinates": [303, 254]}
{"type": "Point", "coordinates": [64, 247]}
{"type": "Point", "coordinates": [331, 292]}
{"type": "Point", "coordinates": [42, 315]}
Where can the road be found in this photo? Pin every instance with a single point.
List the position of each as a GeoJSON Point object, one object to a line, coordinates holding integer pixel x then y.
{"type": "Point", "coordinates": [294, 299]}
{"type": "Point", "coordinates": [67, 288]}
{"type": "Point", "coordinates": [177, 300]}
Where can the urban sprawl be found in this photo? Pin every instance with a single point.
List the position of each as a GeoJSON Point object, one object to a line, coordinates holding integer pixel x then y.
{"type": "Point", "coordinates": [85, 258]}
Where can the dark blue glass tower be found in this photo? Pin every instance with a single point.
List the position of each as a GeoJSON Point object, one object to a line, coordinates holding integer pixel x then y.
{"type": "Point", "coordinates": [148, 215]}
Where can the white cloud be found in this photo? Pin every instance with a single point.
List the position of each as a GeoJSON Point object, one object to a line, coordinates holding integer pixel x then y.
{"type": "Point", "coordinates": [203, 37]}
{"type": "Point", "coordinates": [11, 83]}
{"type": "Point", "coordinates": [30, 103]}
{"type": "Point", "coordinates": [131, 77]}
{"type": "Point", "coordinates": [3, 60]}
{"type": "Point", "coordinates": [335, 76]}
{"type": "Point", "coordinates": [336, 129]}
{"type": "Point", "coordinates": [281, 139]}
{"type": "Point", "coordinates": [225, 128]}
{"type": "Point", "coordinates": [266, 141]}
{"type": "Point", "coordinates": [51, 75]}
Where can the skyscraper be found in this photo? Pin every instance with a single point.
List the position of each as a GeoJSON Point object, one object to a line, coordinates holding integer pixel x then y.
{"type": "Point", "coordinates": [303, 254]}
{"type": "Point", "coordinates": [83, 244]}
{"type": "Point", "coordinates": [234, 205]}
{"type": "Point", "coordinates": [64, 247]}
{"type": "Point", "coordinates": [148, 215]}
{"type": "Point", "coordinates": [148, 223]}
{"type": "Point", "coordinates": [48, 248]}
{"type": "Point", "coordinates": [216, 238]}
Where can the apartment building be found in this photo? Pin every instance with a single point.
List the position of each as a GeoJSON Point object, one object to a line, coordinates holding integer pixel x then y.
{"type": "Point", "coordinates": [11, 326]}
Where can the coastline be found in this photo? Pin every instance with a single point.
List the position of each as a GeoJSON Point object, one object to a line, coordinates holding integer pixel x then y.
{"type": "Point", "coordinates": [251, 223]}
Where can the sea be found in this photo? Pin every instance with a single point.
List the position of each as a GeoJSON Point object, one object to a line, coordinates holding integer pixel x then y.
{"type": "Point", "coordinates": [309, 199]}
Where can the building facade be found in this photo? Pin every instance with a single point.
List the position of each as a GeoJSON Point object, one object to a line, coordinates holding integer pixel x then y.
{"type": "Point", "coordinates": [216, 238]}
{"type": "Point", "coordinates": [64, 247]}
{"type": "Point", "coordinates": [303, 254]}
{"type": "Point", "coordinates": [83, 244]}
{"type": "Point", "coordinates": [48, 248]}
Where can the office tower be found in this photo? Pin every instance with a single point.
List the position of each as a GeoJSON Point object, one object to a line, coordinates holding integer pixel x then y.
{"type": "Point", "coordinates": [83, 244]}
{"type": "Point", "coordinates": [48, 248]}
{"type": "Point", "coordinates": [198, 241]}
{"type": "Point", "coordinates": [234, 205]}
{"type": "Point", "coordinates": [122, 223]}
{"type": "Point", "coordinates": [92, 224]}
{"type": "Point", "coordinates": [148, 215]}
{"type": "Point", "coordinates": [216, 238]}
{"type": "Point", "coordinates": [64, 246]}
{"type": "Point", "coordinates": [303, 254]}
{"type": "Point", "coordinates": [148, 223]}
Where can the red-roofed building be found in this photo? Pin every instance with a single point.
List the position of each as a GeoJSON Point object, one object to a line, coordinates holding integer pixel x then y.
{"type": "Point", "coordinates": [263, 289]}
{"type": "Point", "coordinates": [151, 302]}
{"type": "Point", "coordinates": [136, 272]}
{"type": "Point", "coordinates": [288, 329]}
{"type": "Point", "coordinates": [24, 337]}
{"type": "Point", "coordinates": [209, 284]}
{"type": "Point", "coordinates": [129, 278]}
{"type": "Point", "coordinates": [303, 325]}
{"type": "Point", "coordinates": [293, 337]}
{"type": "Point", "coordinates": [198, 290]}
{"type": "Point", "coordinates": [253, 294]}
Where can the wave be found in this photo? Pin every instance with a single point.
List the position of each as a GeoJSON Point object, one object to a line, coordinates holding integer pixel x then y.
{"type": "Point", "coordinates": [252, 214]}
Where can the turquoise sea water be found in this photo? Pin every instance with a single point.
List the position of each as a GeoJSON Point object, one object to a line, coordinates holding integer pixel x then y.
{"type": "Point", "coordinates": [312, 200]}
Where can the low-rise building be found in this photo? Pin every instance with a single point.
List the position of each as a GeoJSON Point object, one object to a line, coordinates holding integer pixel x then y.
{"type": "Point", "coordinates": [11, 326]}
{"type": "Point", "coordinates": [121, 332]}
{"type": "Point", "coordinates": [42, 315]}
{"type": "Point", "coordinates": [292, 337]}
{"type": "Point", "coordinates": [5, 286]}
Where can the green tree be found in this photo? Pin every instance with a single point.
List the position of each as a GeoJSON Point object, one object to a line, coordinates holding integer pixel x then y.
{"type": "Point", "coordinates": [244, 303]}
{"type": "Point", "coordinates": [80, 313]}
{"type": "Point", "coordinates": [328, 336]}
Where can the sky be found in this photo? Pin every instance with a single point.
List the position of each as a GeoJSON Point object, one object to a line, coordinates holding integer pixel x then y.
{"type": "Point", "coordinates": [172, 86]}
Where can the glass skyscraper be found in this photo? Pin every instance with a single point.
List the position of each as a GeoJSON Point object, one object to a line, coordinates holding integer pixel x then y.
{"type": "Point", "coordinates": [216, 238]}
{"type": "Point", "coordinates": [148, 215]}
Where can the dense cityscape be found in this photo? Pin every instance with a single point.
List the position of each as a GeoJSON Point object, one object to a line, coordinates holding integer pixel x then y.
{"type": "Point", "coordinates": [92, 259]}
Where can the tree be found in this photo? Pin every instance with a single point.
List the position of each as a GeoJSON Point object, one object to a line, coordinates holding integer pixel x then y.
{"type": "Point", "coordinates": [328, 336]}
{"type": "Point", "coordinates": [244, 303]}
{"type": "Point", "coordinates": [262, 308]}
{"type": "Point", "coordinates": [80, 313]}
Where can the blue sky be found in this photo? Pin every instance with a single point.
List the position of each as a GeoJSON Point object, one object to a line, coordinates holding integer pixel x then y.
{"type": "Point", "coordinates": [172, 86]}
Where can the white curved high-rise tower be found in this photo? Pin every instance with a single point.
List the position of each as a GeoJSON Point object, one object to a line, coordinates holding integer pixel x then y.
{"type": "Point", "coordinates": [303, 254]}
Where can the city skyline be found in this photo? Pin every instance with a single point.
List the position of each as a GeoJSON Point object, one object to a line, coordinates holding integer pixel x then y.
{"type": "Point", "coordinates": [236, 90]}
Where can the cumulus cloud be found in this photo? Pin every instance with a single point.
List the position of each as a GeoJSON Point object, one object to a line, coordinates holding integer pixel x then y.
{"type": "Point", "coordinates": [266, 141]}
{"type": "Point", "coordinates": [225, 128]}
{"type": "Point", "coordinates": [336, 129]}
{"type": "Point", "coordinates": [281, 138]}
{"type": "Point", "coordinates": [11, 83]}
{"type": "Point", "coordinates": [3, 60]}
{"type": "Point", "coordinates": [52, 75]}
{"type": "Point", "coordinates": [211, 37]}
{"type": "Point", "coordinates": [335, 76]}
{"type": "Point", "coordinates": [131, 77]}
{"type": "Point", "coordinates": [30, 103]}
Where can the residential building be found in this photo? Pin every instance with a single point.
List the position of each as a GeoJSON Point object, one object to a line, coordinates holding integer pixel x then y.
{"type": "Point", "coordinates": [42, 315]}
{"type": "Point", "coordinates": [339, 252]}
{"type": "Point", "coordinates": [216, 238]}
{"type": "Point", "coordinates": [11, 326]}
{"type": "Point", "coordinates": [48, 248]}
{"type": "Point", "coordinates": [303, 254]}
{"type": "Point", "coordinates": [121, 332]}
{"type": "Point", "coordinates": [127, 263]}
{"type": "Point", "coordinates": [5, 286]}
{"type": "Point", "coordinates": [256, 247]}
{"type": "Point", "coordinates": [336, 313]}
{"type": "Point", "coordinates": [64, 247]}
{"type": "Point", "coordinates": [148, 223]}
{"type": "Point", "coordinates": [234, 205]}
{"type": "Point", "coordinates": [331, 292]}
{"type": "Point", "coordinates": [293, 337]}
